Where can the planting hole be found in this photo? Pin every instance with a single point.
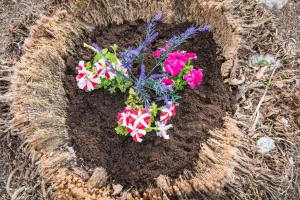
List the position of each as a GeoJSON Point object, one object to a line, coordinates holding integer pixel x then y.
{"type": "Point", "coordinates": [92, 115]}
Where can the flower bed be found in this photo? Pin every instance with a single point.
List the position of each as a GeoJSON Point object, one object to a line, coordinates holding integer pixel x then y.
{"type": "Point", "coordinates": [40, 102]}
{"type": "Point", "coordinates": [92, 116]}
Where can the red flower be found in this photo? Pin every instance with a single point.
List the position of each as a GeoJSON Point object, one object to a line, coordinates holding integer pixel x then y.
{"type": "Point", "coordinates": [167, 81]}
{"type": "Point", "coordinates": [140, 119]}
{"type": "Point", "coordinates": [136, 133]}
{"type": "Point", "coordinates": [167, 112]}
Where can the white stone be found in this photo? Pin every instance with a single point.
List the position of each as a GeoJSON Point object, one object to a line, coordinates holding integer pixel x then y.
{"type": "Point", "coordinates": [255, 59]}
{"type": "Point", "coordinates": [276, 4]}
{"type": "Point", "coordinates": [71, 149]}
{"type": "Point", "coordinates": [265, 144]}
{"type": "Point", "coordinates": [117, 189]}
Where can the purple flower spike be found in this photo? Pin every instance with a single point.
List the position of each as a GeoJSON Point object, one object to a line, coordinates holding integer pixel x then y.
{"type": "Point", "coordinates": [97, 47]}
{"type": "Point", "coordinates": [158, 16]}
{"type": "Point", "coordinates": [142, 74]}
{"type": "Point", "coordinates": [205, 28]}
{"type": "Point", "coordinates": [157, 76]}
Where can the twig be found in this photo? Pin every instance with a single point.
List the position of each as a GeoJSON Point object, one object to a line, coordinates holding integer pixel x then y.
{"type": "Point", "coordinates": [10, 178]}
{"type": "Point", "coordinates": [17, 192]}
{"type": "Point", "coordinates": [257, 113]}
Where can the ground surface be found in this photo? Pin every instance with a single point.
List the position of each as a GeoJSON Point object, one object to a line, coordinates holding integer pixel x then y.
{"type": "Point", "coordinates": [16, 18]}
{"type": "Point", "coordinates": [283, 119]}
{"type": "Point", "coordinates": [92, 116]}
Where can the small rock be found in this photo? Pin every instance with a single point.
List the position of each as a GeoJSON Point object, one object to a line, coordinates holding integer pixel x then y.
{"type": "Point", "coordinates": [98, 179]}
{"type": "Point", "coordinates": [117, 189]}
{"type": "Point", "coordinates": [276, 4]}
{"type": "Point", "coordinates": [71, 150]}
{"type": "Point", "coordinates": [256, 59]}
{"type": "Point", "coordinates": [265, 145]}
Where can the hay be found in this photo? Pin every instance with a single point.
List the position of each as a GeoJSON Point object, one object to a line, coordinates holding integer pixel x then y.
{"type": "Point", "coordinates": [38, 100]}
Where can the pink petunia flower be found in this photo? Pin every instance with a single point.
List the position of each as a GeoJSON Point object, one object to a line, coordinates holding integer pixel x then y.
{"type": "Point", "coordinates": [167, 81]}
{"type": "Point", "coordinates": [191, 55]}
{"type": "Point", "coordinates": [174, 63]}
{"type": "Point", "coordinates": [160, 51]}
{"type": "Point", "coordinates": [157, 53]}
{"type": "Point", "coordinates": [163, 128]}
{"type": "Point", "coordinates": [194, 78]}
{"type": "Point", "coordinates": [167, 112]}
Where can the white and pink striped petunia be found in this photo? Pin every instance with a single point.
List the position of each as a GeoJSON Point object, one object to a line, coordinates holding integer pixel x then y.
{"type": "Point", "coordinates": [136, 133]}
{"type": "Point", "coordinates": [86, 80]}
{"type": "Point", "coordinates": [167, 112]}
{"type": "Point", "coordinates": [123, 117]}
{"type": "Point", "coordinates": [104, 69]}
{"type": "Point", "coordinates": [140, 119]}
{"type": "Point", "coordinates": [162, 129]}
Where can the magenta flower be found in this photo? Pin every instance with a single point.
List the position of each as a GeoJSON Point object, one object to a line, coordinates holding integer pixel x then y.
{"type": "Point", "coordinates": [191, 55]}
{"type": "Point", "coordinates": [167, 81]}
{"type": "Point", "coordinates": [157, 53]}
{"type": "Point", "coordinates": [174, 63]}
{"type": "Point", "coordinates": [194, 78]}
{"type": "Point", "coordinates": [160, 51]}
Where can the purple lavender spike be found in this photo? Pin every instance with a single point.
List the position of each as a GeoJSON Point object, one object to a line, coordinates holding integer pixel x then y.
{"type": "Point", "coordinates": [142, 74]}
{"type": "Point", "coordinates": [205, 28]}
{"type": "Point", "coordinates": [97, 47]}
{"type": "Point", "coordinates": [158, 16]}
{"type": "Point", "coordinates": [157, 76]}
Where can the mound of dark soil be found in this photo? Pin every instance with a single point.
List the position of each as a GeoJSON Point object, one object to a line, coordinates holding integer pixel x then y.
{"type": "Point", "coordinates": [92, 116]}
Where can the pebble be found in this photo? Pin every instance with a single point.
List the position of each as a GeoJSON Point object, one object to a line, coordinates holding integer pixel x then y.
{"type": "Point", "coordinates": [71, 150]}
{"type": "Point", "coordinates": [273, 4]}
{"type": "Point", "coordinates": [255, 59]}
{"type": "Point", "coordinates": [265, 145]}
{"type": "Point", "coordinates": [117, 189]}
{"type": "Point", "coordinates": [98, 179]}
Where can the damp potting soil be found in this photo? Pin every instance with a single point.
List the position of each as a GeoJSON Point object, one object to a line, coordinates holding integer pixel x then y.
{"type": "Point", "coordinates": [92, 115]}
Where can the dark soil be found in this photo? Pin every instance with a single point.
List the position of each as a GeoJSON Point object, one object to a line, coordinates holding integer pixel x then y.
{"type": "Point", "coordinates": [92, 116]}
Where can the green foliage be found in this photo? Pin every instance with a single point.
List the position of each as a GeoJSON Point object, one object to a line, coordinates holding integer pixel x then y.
{"type": "Point", "coordinates": [121, 130]}
{"type": "Point", "coordinates": [153, 111]}
{"type": "Point", "coordinates": [180, 83]}
{"type": "Point", "coordinates": [263, 62]}
{"type": "Point", "coordinates": [113, 84]}
{"type": "Point", "coordinates": [133, 100]}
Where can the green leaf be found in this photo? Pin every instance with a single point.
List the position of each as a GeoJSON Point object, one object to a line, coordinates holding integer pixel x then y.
{"type": "Point", "coordinates": [114, 47]}
{"type": "Point", "coordinates": [132, 99]}
{"type": "Point", "coordinates": [104, 51]}
{"type": "Point", "coordinates": [263, 62]}
{"type": "Point", "coordinates": [121, 130]}
{"type": "Point", "coordinates": [153, 111]}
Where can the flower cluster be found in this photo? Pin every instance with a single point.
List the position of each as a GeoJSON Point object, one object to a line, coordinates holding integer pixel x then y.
{"type": "Point", "coordinates": [154, 93]}
{"type": "Point", "coordinates": [178, 66]}
{"type": "Point", "coordinates": [136, 120]}
{"type": "Point", "coordinates": [102, 72]}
